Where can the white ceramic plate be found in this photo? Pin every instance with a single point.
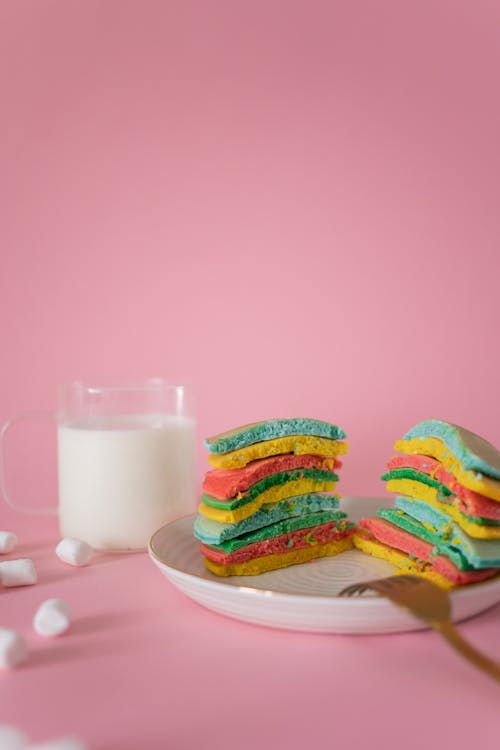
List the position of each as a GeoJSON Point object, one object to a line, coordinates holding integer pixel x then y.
{"type": "Point", "coordinates": [302, 597]}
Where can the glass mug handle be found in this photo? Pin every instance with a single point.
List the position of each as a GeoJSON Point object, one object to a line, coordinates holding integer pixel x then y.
{"type": "Point", "coordinates": [3, 486]}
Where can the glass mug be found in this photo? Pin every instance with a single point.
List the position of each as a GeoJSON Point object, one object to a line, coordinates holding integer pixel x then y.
{"type": "Point", "coordinates": [126, 461]}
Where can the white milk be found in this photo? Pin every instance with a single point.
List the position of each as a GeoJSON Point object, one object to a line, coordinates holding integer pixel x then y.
{"type": "Point", "coordinates": [121, 478]}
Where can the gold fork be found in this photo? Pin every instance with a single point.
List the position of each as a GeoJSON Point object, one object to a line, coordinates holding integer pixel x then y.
{"type": "Point", "coordinates": [432, 605]}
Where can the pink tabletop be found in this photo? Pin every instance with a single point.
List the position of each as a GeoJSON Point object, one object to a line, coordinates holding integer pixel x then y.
{"type": "Point", "coordinates": [145, 667]}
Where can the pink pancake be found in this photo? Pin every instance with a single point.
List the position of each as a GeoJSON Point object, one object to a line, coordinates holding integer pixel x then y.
{"type": "Point", "coordinates": [469, 502]}
{"type": "Point", "coordinates": [326, 532]}
{"type": "Point", "coordinates": [393, 536]}
{"type": "Point", "coordinates": [226, 483]}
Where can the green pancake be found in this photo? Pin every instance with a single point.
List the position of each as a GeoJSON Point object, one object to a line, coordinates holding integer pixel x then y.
{"type": "Point", "coordinates": [418, 476]}
{"type": "Point", "coordinates": [412, 526]}
{"type": "Point", "coordinates": [284, 527]}
{"type": "Point", "coordinates": [444, 495]}
{"type": "Point", "coordinates": [274, 480]}
{"type": "Point", "coordinates": [214, 532]}
{"type": "Point", "coordinates": [448, 537]}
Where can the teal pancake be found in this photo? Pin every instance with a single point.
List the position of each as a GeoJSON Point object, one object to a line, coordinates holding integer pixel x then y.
{"type": "Point", "coordinates": [270, 429]}
{"type": "Point", "coordinates": [474, 452]}
{"type": "Point", "coordinates": [214, 532]}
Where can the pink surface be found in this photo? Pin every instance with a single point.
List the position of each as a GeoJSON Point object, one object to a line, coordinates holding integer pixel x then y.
{"type": "Point", "coordinates": [273, 201]}
{"type": "Point", "coordinates": [271, 204]}
{"type": "Point", "coordinates": [145, 667]}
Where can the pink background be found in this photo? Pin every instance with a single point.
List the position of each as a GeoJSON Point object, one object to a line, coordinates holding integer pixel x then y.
{"type": "Point", "coordinates": [295, 206]}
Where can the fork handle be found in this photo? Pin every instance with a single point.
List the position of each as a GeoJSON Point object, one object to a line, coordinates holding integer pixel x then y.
{"type": "Point", "coordinates": [469, 652]}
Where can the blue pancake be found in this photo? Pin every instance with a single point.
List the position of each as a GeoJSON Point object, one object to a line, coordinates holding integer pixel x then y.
{"type": "Point", "coordinates": [214, 532]}
{"type": "Point", "coordinates": [270, 429]}
{"type": "Point", "coordinates": [440, 529]}
{"type": "Point", "coordinates": [474, 452]}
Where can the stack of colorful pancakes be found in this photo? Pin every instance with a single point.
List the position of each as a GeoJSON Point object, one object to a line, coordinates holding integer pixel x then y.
{"type": "Point", "coordinates": [445, 525]}
{"type": "Point", "coordinates": [268, 502]}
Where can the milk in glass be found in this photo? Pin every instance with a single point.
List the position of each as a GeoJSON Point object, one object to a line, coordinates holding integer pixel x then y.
{"type": "Point", "coordinates": [122, 477]}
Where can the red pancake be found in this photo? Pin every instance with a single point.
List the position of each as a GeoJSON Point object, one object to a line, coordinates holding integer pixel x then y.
{"type": "Point", "coordinates": [310, 537]}
{"type": "Point", "coordinates": [470, 503]}
{"type": "Point", "coordinates": [226, 483]}
{"type": "Point", "coordinates": [393, 536]}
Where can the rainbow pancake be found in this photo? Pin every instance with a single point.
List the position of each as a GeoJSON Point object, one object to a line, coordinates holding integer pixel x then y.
{"type": "Point", "coordinates": [269, 502]}
{"type": "Point", "coordinates": [277, 546]}
{"type": "Point", "coordinates": [214, 532]}
{"type": "Point", "coordinates": [236, 448]}
{"type": "Point", "coordinates": [423, 487]}
{"type": "Point", "coordinates": [467, 501]}
{"type": "Point", "coordinates": [473, 461]}
{"type": "Point", "coordinates": [412, 556]}
{"type": "Point", "coordinates": [445, 524]}
{"type": "Point", "coordinates": [447, 537]}
{"type": "Point", "coordinates": [256, 432]}
{"type": "Point", "coordinates": [226, 483]}
{"type": "Point", "coordinates": [270, 489]}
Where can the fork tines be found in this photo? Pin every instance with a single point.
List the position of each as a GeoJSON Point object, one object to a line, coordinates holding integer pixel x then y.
{"type": "Point", "coordinates": [355, 588]}
{"type": "Point", "coordinates": [381, 585]}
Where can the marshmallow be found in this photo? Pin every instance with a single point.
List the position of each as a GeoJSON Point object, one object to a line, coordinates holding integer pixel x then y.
{"type": "Point", "coordinates": [52, 617]}
{"type": "Point", "coordinates": [20, 572]}
{"type": "Point", "coordinates": [11, 738]}
{"type": "Point", "coordinates": [13, 649]}
{"type": "Point", "coordinates": [8, 541]}
{"type": "Point", "coordinates": [74, 551]}
{"type": "Point", "coordinates": [65, 743]}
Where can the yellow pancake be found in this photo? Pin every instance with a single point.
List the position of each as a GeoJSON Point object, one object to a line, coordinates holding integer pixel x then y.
{"type": "Point", "coordinates": [403, 564]}
{"type": "Point", "coordinates": [279, 560]}
{"type": "Point", "coordinates": [272, 495]}
{"type": "Point", "coordinates": [420, 491]}
{"type": "Point", "coordinates": [298, 444]}
{"type": "Point", "coordinates": [434, 447]}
